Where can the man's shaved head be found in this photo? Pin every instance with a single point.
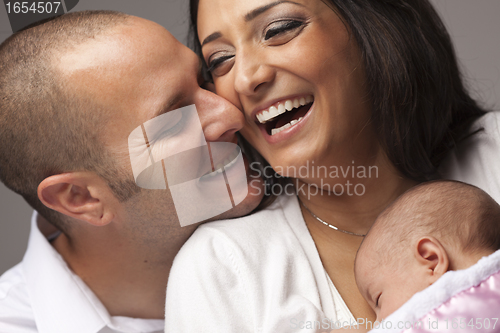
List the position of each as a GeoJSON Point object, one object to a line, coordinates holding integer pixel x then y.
{"type": "Point", "coordinates": [47, 128]}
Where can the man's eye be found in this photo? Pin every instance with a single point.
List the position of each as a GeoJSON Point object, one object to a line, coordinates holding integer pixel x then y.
{"type": "Point", "coordinates": [282, 27]}
{"type": "Point", "coordinates": [173, 128]}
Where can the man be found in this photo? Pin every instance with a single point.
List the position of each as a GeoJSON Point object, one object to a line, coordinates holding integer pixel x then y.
{"type": "Point", "coordinates": [71, 92]}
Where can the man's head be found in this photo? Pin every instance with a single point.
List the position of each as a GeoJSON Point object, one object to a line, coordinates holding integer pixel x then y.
{"type": "Point", "coordinates": [432, 228]}
{"type": "Point", "coordinates": [72, 90]}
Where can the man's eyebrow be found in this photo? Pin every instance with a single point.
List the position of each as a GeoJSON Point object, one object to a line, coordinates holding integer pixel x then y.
{"type": "Point", "coordinates": [248, 17]}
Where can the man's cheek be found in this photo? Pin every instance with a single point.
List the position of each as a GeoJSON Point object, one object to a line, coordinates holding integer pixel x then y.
{"type": "Point", "coordinates": [204, 180]}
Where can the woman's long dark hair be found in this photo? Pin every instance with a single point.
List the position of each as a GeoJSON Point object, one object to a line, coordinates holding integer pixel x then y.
{"type": "Point", "coordinates": [421, 108]}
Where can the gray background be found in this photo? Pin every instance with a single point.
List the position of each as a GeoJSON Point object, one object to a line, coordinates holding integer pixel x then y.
{"type": "Point", "coordinates": [473, 25]}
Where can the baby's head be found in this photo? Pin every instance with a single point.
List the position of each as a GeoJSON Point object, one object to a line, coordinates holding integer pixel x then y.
{"type": "Point", "coordinates": [433, 228]}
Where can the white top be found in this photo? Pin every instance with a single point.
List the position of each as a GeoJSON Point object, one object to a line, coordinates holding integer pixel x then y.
{"type": "Point", "coordinates": [342, 312]}
{"type": "Point", "coordinates": [41, 294]}
{"type": "Point", "coordinates": [260, 273]}
{"type": "Point", "coordinates": [263, 273]}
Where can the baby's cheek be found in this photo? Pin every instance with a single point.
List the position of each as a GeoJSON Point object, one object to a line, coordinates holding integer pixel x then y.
{"type": "Point", "coordinates": [391, 304]}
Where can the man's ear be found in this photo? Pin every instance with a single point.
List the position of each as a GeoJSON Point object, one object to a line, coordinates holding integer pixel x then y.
{"type": "Point", "coordinates": [80, 195]}
{"type": "Point", "coordinates": [431, 255]}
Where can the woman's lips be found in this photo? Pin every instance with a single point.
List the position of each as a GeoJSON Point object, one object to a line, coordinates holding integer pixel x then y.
{"type": "Point", "coordinates": [287, 128]}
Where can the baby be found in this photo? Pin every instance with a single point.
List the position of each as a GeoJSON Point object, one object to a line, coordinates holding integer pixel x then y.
{"type": "Point", "coordinates": [433, 228]}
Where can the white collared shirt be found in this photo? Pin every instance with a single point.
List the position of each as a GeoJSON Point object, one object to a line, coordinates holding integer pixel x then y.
{"type": "Point", "coordinates": [41, 294]}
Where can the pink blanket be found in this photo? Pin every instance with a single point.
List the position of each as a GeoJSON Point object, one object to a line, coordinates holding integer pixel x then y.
{"type": "Point", "coordinates": [460, 301]}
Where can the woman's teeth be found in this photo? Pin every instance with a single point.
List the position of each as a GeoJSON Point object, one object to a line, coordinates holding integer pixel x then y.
{"type": "Point", "coordinates": [281, 108]}
{"type": "Point", "coordinates": [284, 127]}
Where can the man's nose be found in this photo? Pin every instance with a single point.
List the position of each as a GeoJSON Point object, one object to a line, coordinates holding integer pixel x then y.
{"type": "Point", "coordinates": [220, 119]}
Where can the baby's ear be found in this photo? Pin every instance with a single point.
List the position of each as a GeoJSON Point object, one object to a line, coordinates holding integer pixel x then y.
{"type": "Point", "coordinates": [432, 256]}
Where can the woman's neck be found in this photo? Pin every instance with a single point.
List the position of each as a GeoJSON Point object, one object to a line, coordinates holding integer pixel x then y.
{"type": "Point", "coordinates": [353, 212]}
{"type": "Point", "coordinates": [352, 201]}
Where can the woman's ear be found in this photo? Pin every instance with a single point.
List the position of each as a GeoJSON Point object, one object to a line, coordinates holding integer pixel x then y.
{"type": "Point", "coordinates": [431, 255]}
{"type": "Point", "coordinates": [80, 195]}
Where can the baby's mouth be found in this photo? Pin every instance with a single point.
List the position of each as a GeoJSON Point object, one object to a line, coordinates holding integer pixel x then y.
{"type": "Point", "coordinates": [285, 114]}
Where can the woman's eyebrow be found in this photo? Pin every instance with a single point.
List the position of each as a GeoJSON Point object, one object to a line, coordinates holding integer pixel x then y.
{"type": "Point", "coordinates": [211, 38]}
{"type": "Point", "coordinates": [248, 17]}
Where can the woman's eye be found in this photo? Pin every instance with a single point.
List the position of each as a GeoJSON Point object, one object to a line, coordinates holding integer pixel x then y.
{"type": "Point", "coordinates": [282, 27]}
{"type": "Point", "coordinates": [215, 63]}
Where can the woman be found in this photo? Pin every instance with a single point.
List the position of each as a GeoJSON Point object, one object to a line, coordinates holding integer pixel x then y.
{"type": "Point", "coordinates": [365, 97]}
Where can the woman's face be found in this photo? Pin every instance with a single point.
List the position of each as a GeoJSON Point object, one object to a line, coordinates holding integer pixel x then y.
{"type": "Point", "coordinates": [293, 69]}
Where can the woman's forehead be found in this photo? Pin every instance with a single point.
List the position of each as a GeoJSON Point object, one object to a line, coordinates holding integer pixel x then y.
{"type": "Point", "coordinates": [213, 11]}
{"type": "Point", "coordinates": [228, 16]}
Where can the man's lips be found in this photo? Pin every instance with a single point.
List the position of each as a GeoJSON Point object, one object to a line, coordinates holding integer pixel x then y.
{"type": "Point", "coordinates": [223, 163]}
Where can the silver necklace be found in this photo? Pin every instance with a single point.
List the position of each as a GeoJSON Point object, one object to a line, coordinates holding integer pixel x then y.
{"type": "Point", "coordinates": [328, 224]}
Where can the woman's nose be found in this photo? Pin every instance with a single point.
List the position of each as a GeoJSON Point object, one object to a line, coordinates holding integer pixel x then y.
{"type": "Point", "coordinates": [252, 73]}
{"type": "Point", "coordinates": [220, 119]}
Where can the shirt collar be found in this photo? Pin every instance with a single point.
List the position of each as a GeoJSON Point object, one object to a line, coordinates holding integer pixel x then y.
{"type": "Point", "coordinates": [61, 301]}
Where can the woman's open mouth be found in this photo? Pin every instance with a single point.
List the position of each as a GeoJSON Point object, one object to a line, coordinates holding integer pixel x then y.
{"type": "Point", "coordinates": [284, 114]}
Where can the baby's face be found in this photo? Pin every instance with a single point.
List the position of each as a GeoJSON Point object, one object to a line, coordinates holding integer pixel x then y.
{"type": "Point", "coordinates": [386, 287]}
